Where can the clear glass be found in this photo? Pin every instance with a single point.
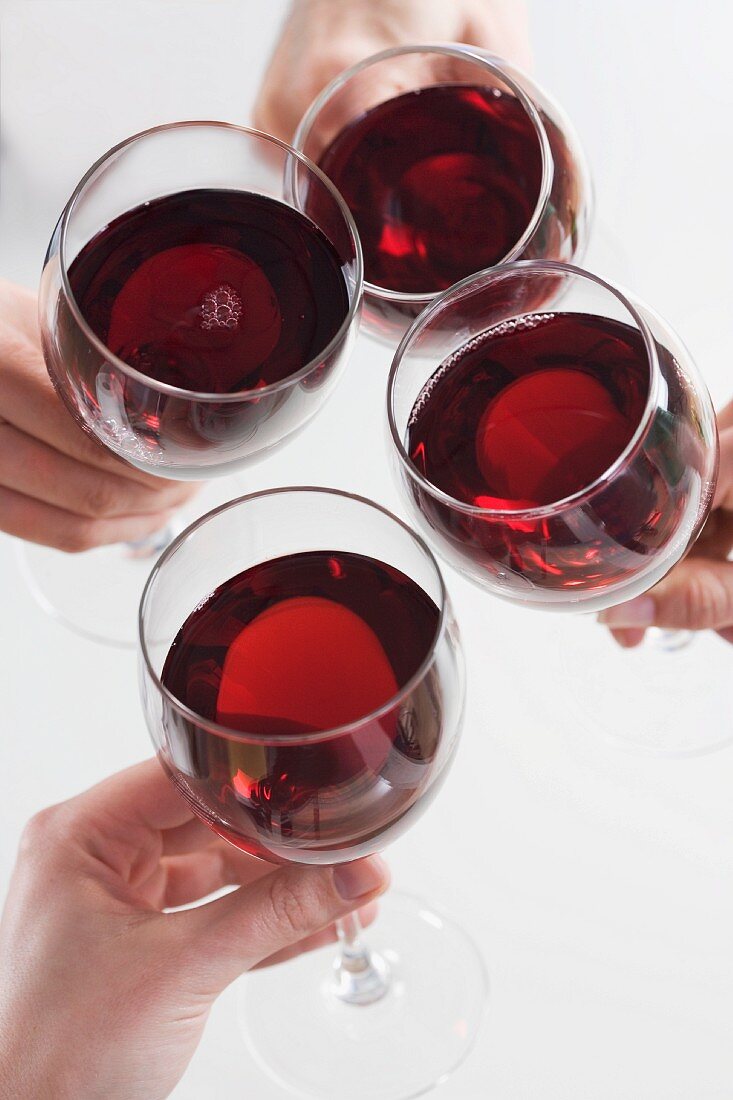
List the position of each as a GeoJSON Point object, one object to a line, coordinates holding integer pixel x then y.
{"type": "Point", "coordinates": [601, 546]}
{"type": "Point", "coordinates": [160, 428]}
{"type": "Point", "coordinates": [560, 225]}
{"type": "Point", "coordinates": [397, 758]}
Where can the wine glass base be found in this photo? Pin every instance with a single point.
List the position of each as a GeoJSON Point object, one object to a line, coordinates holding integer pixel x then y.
{"type": "Point", "coordinates": [670, 696]}
{"type": "Point", "coordinates": [401, 1046]}
{"type": "Point", "coordinates": [97, 593]}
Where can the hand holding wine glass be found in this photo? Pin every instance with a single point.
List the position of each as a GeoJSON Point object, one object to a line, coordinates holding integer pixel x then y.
{"type": "Point", "coordinates": [305, 698]}
{"type": "Point", "coordinates": [86, 947]}
{"type": "Point", "coordinates": [698, 593]}
{"type": "Point", "coordinates": [320, 39]}
{"type": "Point", "coordinates": [451, 160]}
{"type": "Point", "coordinates": [567, 459]}
{"type": "Point", "coordinates": [58, 487]}
{"type": "Point", "coordinates": [189, 327]}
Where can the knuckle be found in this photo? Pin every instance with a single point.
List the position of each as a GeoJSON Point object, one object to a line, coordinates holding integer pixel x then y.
{"type": "Point", "coordinates": [101, 498]}
{"type": "Point", "coordinates": [331, 59]}
{"type": "Point", "coordinates": [325, 63]}
{"type": "Point", "coordinates": [335, 56]}
{"type": "Point", "coordinates": [707, 600]}
{"type": "Point", "coordinates": [45, 827]}
{"type": "Point", "coordinates": [294, 908]}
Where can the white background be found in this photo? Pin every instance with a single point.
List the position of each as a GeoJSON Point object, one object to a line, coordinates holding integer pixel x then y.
{"type": "Point", "coordinates": [598, 884]}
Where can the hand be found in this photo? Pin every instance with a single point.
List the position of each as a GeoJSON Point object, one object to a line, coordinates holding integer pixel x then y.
{"type": "Point", "coordinates": [698, 593]}
{"type": "Point", "coordinates": [57, 485]}
{"type": "Point", "coordinates": [103, 995]}
{"type": "Point", "coordinates": [322, 37]}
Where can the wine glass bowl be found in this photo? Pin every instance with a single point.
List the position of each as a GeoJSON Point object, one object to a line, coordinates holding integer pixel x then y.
{"type": "Point", "coordinates": [614, 534]}
{"type": "Point", "coordinates": [282, 783]}
{"type": "Point", "coordinates": [180, 188]}
{"type": "Point", "coordinates": [322, 796]}
{"type": "Point", "coordinates": [451, 161]}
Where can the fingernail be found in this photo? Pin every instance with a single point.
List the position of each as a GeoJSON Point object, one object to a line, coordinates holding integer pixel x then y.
{"type": "Point", "coordinates": [364, 876]}
{"type": "Point", "coordinates": [638, 612]}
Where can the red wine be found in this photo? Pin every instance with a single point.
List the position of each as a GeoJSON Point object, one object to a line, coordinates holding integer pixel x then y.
{"type": "Point", "coordinates": [529, 413]}
{"type": "Point", "coordinates": [217, 292]}
{"type": "Point", "coordinates": [212, 291]}
{"type": "Point", "coordinates": [442, 182]}
{"type": "Point", "coordinates": [292, 647]}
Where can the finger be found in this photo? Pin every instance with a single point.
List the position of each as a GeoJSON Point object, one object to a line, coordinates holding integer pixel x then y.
{"type": "Point", "coordinates": [724, 488]}
{"type": "Point", "coordinates": [39, 471]}
{"type": "Point", "coordinates": [34, 521]}
{"type": "Point", "coordinates": [725, 417]}
{"type": "Point", "coordinates": [30, 403]}
{"type": "Point", "coordinates": [196, 875]}
{"type": "Point", "coordinates": [22, 306]}
{"type": "Point", "coordinates": [628, 638]}
{"type": "Point", "coordinates": [395, 78]}
{"type": "Point", "coordinates": [501, 27]}
{"type": "Point", "coordinates": [716, 537]}
{"type": "Point", "coordinates": [281, 104]}
{"type": "Point", "coordinates": [190, 837]}
{"type": "Point", "coordinates": [727, 634]}
{"type": "Point", "coordinates": [293, 81]}
{"type": "Point", "coordinates": [321, 939]}
{"type": "Point", "coordinates": [234, 933]}
{"type": "Point", "coordinates": [697, 595]}
{"type": "Point", "coordinates": [142, 795]}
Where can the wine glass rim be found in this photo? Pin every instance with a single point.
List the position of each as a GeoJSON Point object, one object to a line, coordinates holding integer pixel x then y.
{"type": "Point", "coordinates": [177, 391]}
{"type": "Point", "coordinates": [506, 271]}
{"type": "Point", "coordinates": [487, 60]}
{"type": "Point", "coordinates": [287, 738]}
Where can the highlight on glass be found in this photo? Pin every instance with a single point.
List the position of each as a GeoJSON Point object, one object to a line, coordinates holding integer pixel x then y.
{"type": "Point", "coordinates": [451, 160]}
{"type": "Point", "coordinates": [561, 458]}
{"type": "Point", "coordinates": [192, 316]}
{"type": "Point", "coordinates": [303, 684]}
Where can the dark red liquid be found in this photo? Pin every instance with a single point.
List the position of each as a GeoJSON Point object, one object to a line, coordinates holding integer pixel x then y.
{"type": "Point", "coordinates": [527, 414]}
{"type": "Point", "coordinates": [532, 411]}
{"type": "Point", "coordinates": [305, 643]}
{"type": "Point", "coordinates": [441, 182]}
{"type": "Point", "coordinates": [212, 291]}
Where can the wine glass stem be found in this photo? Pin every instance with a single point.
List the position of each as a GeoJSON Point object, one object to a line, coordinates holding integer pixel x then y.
{"type": "Point", "coordinates": [152, 545]}
{"type": "Point", "coordinates": [360, 976]}
{"type": "Point", "coordinates": [668, 640]}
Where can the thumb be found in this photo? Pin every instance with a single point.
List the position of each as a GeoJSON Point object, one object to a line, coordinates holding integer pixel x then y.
{"type": "Point", "coordinates": [697, 595]}
{"type": "Point", "coordinates": [236, 932]}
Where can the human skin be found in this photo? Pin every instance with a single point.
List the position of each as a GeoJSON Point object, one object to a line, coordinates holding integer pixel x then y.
{"type": "Point", "coordinates": [321, 38]}
{"type": "Point", "coordinates": [58, 486]}
{"type": "Point", "coordinates": [698, 593]}
{"type": "Point", "coordinates": [104, 995]}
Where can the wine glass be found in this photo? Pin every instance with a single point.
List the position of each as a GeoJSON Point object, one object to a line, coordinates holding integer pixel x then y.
{"type": "Point", "coordinates": [451, 160]}
{"type": "Point", "coordinates": [385, 1023]}
{"type": "Point", "coordinates": [230, 317]}
{"type": "Point", "coordinates": [566, 460]}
